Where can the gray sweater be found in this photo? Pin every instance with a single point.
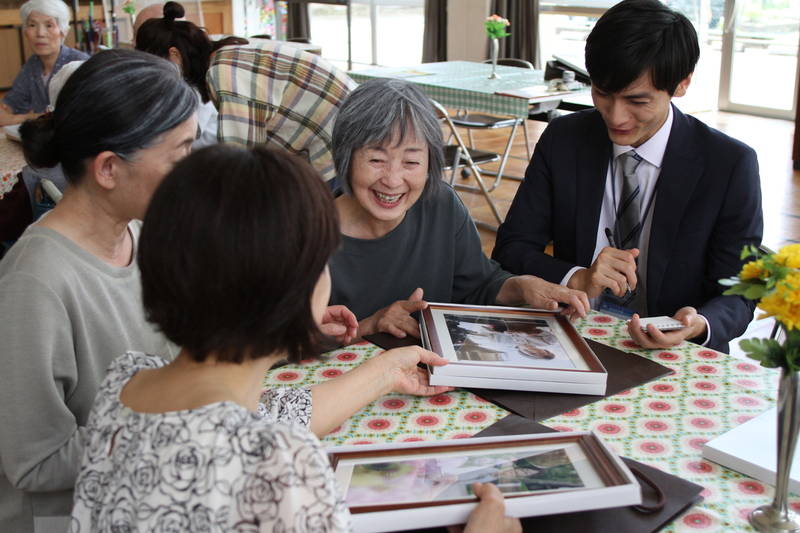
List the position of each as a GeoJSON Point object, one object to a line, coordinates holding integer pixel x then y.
{"type": "Point", "coordinates": [64, 316]}
{"type": "Point", "coordinates": [436, 247]}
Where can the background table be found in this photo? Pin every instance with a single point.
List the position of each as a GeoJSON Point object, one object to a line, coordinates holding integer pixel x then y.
{"type": "Point", "coordinates": [11, 163]}
{"type": "Point", "coordinates": [466, 85]}
{"type": "Point", "coordinates": [663, 423]}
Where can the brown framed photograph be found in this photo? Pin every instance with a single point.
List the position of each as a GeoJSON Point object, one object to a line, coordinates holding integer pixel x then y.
{"type": "Point", "coordinates": [509, 348]}
{"type": "Point", "coordinates": [430, 483]}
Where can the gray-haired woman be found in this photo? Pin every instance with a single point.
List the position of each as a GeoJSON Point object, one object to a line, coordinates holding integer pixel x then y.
{"type": "Point", "coordinates": [45, 23]}
{"type": "Point", "coordinates": [69, 288]}
{"type": "Point", "coordinates": [404, 231]}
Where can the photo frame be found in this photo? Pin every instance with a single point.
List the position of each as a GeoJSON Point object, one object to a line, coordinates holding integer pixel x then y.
{"type": "Point", "coordinates": [509, 348]}
{"type": "Point", "coordinates": [390, 487]}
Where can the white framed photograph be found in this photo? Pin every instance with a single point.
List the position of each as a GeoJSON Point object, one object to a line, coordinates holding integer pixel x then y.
{"type": "Point", "coordinates": [511, 348]}
{"type": "Point", "coordinates": [409, 485]}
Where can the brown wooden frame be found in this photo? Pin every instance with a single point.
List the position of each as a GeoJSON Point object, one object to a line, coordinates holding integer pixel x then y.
{"type": "Point", "coordinates": [603, 464]}
{"type": "Point", "coordinates": [578, 344]}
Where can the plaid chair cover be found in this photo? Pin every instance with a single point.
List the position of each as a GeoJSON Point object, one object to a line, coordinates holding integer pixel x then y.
{"type": "Point", "coordinates": [276, 94]}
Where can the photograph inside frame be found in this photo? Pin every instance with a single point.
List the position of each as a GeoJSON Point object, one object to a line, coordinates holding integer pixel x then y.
{"type": "Point", "coordinates": [448, 476]}
{"type": "Point", "coordinates": [516, 339]}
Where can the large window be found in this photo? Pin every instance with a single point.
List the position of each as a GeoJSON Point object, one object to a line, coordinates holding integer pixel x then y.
{"type": "Point", "coordinates": [384, 32]}
{"type": "Point", "coordinates": [749, 64]}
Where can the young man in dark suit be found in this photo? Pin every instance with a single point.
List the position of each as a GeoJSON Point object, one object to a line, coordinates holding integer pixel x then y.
{"type": "Point", "coordinates": [647, 208]}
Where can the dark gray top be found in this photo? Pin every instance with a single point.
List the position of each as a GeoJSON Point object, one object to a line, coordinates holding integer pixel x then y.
{"type": "Point", "coordinates": [29, 92]}
{"type": "Point", "coordinates": [435, 247]}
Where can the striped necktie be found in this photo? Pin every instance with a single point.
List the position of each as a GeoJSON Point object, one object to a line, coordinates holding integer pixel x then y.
{"type": "Point", "coordinates": [628, 223]}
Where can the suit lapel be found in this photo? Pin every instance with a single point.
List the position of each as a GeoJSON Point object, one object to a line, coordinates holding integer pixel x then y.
{"type": "Point", "coordinates": [594, 151]}
{"type": "Point", "coordinates": [682, 167]}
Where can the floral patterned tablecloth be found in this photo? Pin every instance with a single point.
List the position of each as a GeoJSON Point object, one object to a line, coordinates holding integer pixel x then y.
{"type": "Point", "coordinates": [663, 423]}
{"type": "Point", "coordinates": [11, 163]}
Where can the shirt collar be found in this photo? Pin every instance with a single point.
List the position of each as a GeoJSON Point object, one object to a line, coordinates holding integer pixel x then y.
{"type": "Point", "coordinates": [653, 149]}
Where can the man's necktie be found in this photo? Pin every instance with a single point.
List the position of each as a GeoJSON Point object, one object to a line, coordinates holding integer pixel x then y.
{"type": "Point", "coordinates": [628, 223]}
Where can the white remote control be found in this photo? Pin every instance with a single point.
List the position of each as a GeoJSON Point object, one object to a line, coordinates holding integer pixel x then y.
{"type": "Point", "coordinates": [662, 323]}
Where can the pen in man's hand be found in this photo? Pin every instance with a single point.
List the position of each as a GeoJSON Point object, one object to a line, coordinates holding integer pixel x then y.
{"type": "Point", "coordinates": [610, 237]}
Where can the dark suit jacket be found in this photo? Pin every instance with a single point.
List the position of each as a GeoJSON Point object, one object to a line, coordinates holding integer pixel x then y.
{"type": "Point", "coordinates": [707, 207]}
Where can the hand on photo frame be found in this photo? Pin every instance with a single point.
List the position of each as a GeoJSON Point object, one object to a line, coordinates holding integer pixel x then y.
{"type": "Point", "coordinates": [489, 516]}
{"type": "Point", "coordinates": [541, 294]}
{"type": "Point", "coordinates": [396, 318]}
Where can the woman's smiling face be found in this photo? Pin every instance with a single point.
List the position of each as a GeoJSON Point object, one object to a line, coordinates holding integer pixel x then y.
{"type": "Point", "coordinates": [388, 179]}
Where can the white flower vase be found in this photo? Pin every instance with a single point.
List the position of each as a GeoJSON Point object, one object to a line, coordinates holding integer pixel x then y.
{"type": "Point", "coordinates": [495, 50]}
{"type": "Point", "coordinates": [776, 517]}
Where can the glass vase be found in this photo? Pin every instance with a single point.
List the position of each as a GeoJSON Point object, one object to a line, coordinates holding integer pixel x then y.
{"type": "Point", "coordinates": [776, 516]}
{"type": "Point", "coordinates": [495, 49]}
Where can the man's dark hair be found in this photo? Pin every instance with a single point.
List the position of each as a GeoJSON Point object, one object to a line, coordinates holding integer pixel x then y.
{"type": "Point", "coordinates": [637, 36]}
{"type": "Point", "coordinates": [231, 249]}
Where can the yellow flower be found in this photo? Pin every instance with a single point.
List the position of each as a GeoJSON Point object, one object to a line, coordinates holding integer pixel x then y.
{"type": "Point", "coordinates": [789, 256]}
{"type": "Point", "coordinates": [784, 302]}
{"type": "Point", "coordinates": [752, 270]}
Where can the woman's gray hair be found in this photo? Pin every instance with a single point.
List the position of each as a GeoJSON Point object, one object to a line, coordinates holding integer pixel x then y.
{"type": "Point", "coordinates": [52, 8]}
{"type": "Point", "coordinates": [372, 114]}
{"type": "Point", "coordinates": [119, 100]}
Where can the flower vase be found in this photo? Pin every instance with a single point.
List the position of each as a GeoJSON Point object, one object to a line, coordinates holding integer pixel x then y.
{"type": "Point", "coordinates": [776, 517]}
{"type": "Point", "coordinates": [495, 50]}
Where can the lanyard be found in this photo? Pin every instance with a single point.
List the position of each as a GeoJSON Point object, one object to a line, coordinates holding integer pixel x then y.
{"type": "Point", "coordinates": [612, 164]}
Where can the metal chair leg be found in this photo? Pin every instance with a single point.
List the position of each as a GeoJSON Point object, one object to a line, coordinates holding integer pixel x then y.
{"type": "Point", "coordinates": [527, 142]}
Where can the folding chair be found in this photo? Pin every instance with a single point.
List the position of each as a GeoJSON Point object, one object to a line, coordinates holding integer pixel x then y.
{"type": "Point", "coordinates": [480, 121]}
{"type": "Point", "coordinates": [460, 156]}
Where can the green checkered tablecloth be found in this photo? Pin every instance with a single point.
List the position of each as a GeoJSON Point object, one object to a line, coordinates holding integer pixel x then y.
{"type": "Point", "coordinates": [466, 85]}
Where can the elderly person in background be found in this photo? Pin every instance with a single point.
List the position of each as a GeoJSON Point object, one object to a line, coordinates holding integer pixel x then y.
{"type": "Point", "coordinates": [70, 293]}
{"type": "Point", "coordinates": [45, 23]}
{"type": "Point", "coordinates": [149, 12]}
{"type": "Point", "coordinates": [405, 232]}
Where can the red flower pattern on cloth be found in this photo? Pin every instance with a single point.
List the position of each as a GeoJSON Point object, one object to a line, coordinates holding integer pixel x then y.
{"type": "Point", "coordinates": [346, 356]}
{"type": "Point", "coordinates": [697, 520]}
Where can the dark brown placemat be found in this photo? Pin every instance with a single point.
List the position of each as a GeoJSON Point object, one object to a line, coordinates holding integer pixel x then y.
{"type": "Point", "coordinates": [625, 371]}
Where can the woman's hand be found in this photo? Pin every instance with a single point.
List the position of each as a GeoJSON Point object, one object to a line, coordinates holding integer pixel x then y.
{"type": "Point", "coordinates": [489, 516]}
{"type": "Point", "coordinates": [396, 318]}
{"type": "Point", "coordinates": [399, 367]}
{"type": "Point", "coordinates": [340, 323]}
{"type": "Point", "coordinates": [542, 294]}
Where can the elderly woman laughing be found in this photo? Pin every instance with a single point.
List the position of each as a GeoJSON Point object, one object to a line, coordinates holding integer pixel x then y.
{"type": "Point", "coordinates": [406, 234]}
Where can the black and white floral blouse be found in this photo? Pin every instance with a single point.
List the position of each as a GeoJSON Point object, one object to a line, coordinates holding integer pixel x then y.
{"type": "Point", "coordinates": [216, 468]}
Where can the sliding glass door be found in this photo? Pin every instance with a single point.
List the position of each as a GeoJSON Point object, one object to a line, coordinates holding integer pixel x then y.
{"type": "Point", "coordinates": [759, 57]}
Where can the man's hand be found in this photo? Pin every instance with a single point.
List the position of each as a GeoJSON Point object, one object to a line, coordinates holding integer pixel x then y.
{"type": "Point", "coordinates": [542, 294]}
{"type": "Point", "coordinates": [613, 269]}
{"type": "Point", "coordinates": [340, 323]}
{"type": "Point", "coordinates": [655, 339]}
{"type": "Point", "coordinates": [395, 319]}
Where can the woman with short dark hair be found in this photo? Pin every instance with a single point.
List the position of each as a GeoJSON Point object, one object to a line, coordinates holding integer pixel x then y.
{"type": "Point", "coordinates": [233, 256]}
{"type": "Point", "coordinates": [185, 44]}
{"type": "Point", "coordinates": [69, 289]}
{"type": "Point", "coordinates": [404, 231]}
